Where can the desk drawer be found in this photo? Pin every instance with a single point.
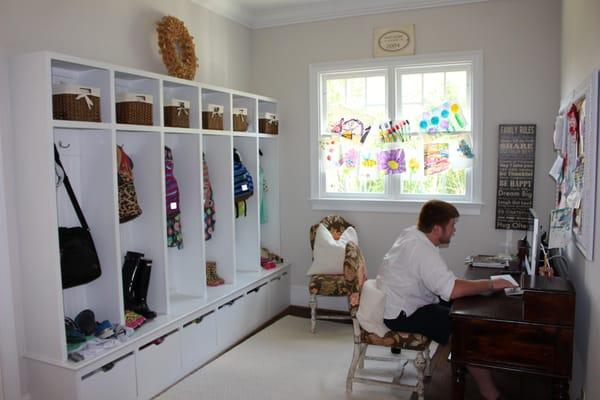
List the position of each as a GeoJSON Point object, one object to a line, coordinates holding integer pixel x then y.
{"type": "Point", "coordinates": [513, 346]}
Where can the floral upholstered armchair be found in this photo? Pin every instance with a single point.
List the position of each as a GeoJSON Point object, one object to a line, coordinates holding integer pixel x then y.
{"type": "Point", "coordinates": [346, 284]}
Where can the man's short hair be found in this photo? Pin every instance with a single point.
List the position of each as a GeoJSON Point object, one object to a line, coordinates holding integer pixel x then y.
{"type": "Point", "coordinates": [435, 212]}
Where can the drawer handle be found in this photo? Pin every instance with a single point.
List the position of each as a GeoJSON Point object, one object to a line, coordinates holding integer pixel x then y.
{"type": "Point", "coordinates": [107, 367]}
{"type": "Point", "coordinates": [230, 303]}
{"type": "Point", "coordinates": [256, 289]}
{"type": "Point", "coordinates": [199, 319]}
{"type": "Point", "coordinates": [276, 279]}
{"type": "Point", "coordinates": [158, 341]}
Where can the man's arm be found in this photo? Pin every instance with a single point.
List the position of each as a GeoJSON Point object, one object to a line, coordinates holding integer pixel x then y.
{"type": "Point", "coordinates": [464, 287]}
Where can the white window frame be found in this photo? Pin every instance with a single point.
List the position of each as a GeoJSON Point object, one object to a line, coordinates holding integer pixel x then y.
{"type": "Point", "coordinates": [321, 200]}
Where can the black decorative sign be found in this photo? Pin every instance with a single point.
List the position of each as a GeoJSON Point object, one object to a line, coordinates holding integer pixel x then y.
{"type": "Point", "coordinates": [516, 166]}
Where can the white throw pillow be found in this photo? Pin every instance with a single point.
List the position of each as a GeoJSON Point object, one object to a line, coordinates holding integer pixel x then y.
{"type": "Point", "coordinates": [370, 310]}
{"type": "Point", "coordinates": [329, 253]}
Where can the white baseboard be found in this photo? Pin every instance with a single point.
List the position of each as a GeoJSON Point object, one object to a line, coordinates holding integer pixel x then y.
{"type": "Point", "coordinates": [299, 297]}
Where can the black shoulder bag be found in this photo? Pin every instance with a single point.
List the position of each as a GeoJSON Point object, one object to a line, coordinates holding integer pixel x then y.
{"type": "Point", "coordinates": [79, 262]}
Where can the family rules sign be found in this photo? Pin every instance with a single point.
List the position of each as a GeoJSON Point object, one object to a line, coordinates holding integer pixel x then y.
{"type": "Point", "coordinates": [516, 166]}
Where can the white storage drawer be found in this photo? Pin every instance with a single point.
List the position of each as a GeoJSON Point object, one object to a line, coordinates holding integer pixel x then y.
{"type": "Point", "coordinates": [230, 322]}
{"type": "Point", "coordinates": [280, 293]}
{"type": "Point", "coordinates": [198, 341]}
{"type": "Point", "coordinates": [159, 364]}
{"type": "Point", "coordinates": [257, 307]}
{"type": "Point", "coordinates": [115, 380]}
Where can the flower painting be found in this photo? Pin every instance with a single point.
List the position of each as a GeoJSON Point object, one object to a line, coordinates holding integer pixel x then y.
{"type": "Point", "coordinates": [392, 161]}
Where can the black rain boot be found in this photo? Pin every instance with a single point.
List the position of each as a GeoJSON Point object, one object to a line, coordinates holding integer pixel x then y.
{"type": "Point", "coordinates": [130, 273]}
{"type": "Point", "coordinates": [140, 305]}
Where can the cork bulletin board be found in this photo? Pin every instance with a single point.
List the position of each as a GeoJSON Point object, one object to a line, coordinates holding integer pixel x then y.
{"type": "Point", "coordinates": [516, 167]}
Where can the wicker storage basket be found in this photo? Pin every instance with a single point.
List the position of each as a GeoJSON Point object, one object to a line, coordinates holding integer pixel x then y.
{"type": "Point", "coordinates": [212, 117]}
{"type": "Point", "coordinates": [76, 103]}
{"type": "Point", "coordinates": [177, 113]}
{"type": "Point", "coordinates": [268, 123]}
{"type": "Point", "coordinates": [240, 119]}
{"type": "Point", "coordinates": [134, 108]}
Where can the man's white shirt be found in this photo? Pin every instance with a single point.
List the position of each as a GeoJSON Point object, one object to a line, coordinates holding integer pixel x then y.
{"type": "Point", "coordinates": [413, 274]}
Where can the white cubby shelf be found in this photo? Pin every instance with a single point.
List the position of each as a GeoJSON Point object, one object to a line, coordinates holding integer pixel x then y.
{"type": "Point", "coordinates": [194, 322]}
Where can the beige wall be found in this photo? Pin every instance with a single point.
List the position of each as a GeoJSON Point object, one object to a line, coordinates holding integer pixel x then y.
{"type": "Point", "coordinates": [521, 74]}
{"type": "Point", "coordinates": [120, 32]}
{"type": "Point", "coordinates": [579, 56]}
{"type": "Point", "coordinates": [123, 33]}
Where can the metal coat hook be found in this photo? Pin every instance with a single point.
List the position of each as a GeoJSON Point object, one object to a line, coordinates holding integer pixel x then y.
{"type": "Point", "coordinates": [62, 145]}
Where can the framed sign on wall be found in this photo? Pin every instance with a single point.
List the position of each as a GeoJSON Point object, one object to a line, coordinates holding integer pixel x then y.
{"type": "Point", "coordinates": [516, 166]}
{"type": "Point", "coordinates": [395, 41]}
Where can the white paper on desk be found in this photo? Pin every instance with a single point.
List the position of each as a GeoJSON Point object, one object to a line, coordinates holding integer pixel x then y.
{"type": "Point", "coordinates": [556, 170]}
{"type": "Point", "coordinates": [509, 291]}
{"type": "Point", "coordinates": [561, 221]}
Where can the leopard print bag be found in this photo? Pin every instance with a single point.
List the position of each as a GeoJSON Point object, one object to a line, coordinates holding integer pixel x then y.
{"type": "Point", "coordinates": [129, 207]}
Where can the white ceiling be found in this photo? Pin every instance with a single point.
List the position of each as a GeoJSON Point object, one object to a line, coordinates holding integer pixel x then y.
{"type": "Point", "coordinates": [265, 13]}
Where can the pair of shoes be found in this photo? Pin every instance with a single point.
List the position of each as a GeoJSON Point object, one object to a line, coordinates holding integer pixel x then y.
{"type": "Point", "coordinates": [136, 281]}
{"type": "Point", "coordinates": [104, 330]}
{"type": "Point", "coordinates": [72, 331]}
{"type": "Point", "coordinates": [267, 264]}
{"type": "Point", "coordinates": [212, 278]}
{"type": "Point", "coordinates": [133, 320]}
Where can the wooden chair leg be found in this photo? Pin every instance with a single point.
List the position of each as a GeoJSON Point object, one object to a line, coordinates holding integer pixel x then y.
{"type": "Point", "coordinates": [355, 361]}
{"type": "Point", "coordinates": [312, 303]}
{"type": "Point", "coordinates": [363, 352]}
{"type": "Point", "coordinates": [420, 365]}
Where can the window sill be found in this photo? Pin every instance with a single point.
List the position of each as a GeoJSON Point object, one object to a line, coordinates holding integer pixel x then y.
{"type": "Point", "coordinates": [388, 206]}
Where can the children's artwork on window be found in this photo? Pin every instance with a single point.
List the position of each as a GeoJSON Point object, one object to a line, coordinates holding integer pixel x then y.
{"type": "Point", "coordinates": [351, 129]}
{"type": "Point", "coordinates": [331, 151]}
{"type": "Point", "coordinates": [368, 165]}
{"type": "Point", "coordinates": [398, 131]}
{"type": "Point", "coordinates": [448, 118]}
{"type": "Point", "coordinates": [350, 159]}
{"type": "Point", "coordinates": [460, 154]}
{"type": "Point", "coordinates": [392, 161]}
{"type": "Point", "coordinates": [436, 158]}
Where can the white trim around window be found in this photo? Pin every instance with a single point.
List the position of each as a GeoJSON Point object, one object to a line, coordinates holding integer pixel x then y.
{"type": "Point", "coordinates": [358, 202]}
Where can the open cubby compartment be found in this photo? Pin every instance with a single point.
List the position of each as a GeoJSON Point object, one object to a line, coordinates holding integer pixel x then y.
{"type": "Point", "coordinates": [218, 152]}
{"type": "Point", "coordinates": [266, 106]}
{"type": "Point", "coordinates": [89, 160]}
{"type": "Point", "coordinates": [247, 231]}
{"type": "Point", "coordinates": [250, 104]}
{"type": "Point", "coordinates": [146, 233]}
{"type": "Point", "coordinates": [179, 91]}
{"type": "Point", "coordinates": [64, 72]}
{"type": "Point", "coordinates": [269, 199]}
{"type": "Point", "coordinates": [186, 265]}
{"type": "Point", "coordinates": [132, 83]}
{"type": "Point", "coordinates": [216, 97]}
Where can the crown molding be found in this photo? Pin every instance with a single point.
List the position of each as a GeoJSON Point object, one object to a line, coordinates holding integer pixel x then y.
{"type": "Point", "coordinates": [264, 17]}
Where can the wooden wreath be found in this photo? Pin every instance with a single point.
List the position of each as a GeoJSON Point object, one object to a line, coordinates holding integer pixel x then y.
{"type": "Point", "coordinates": [177, 48]}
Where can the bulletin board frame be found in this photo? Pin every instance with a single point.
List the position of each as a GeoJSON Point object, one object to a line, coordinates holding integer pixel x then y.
{"type": "Point", "coordinates": [586, 97]}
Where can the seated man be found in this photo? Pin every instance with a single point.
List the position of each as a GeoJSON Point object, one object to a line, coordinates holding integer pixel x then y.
{"type": "Point", "coordinates": [414, 277]}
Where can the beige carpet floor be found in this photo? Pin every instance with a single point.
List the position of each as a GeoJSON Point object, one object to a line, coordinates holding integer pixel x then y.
{"type": "Point", "coordinates": [286, 362]}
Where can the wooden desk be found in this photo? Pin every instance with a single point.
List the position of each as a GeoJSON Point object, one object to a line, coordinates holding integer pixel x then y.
{"type": "Point", "coordinates": [532, 333]}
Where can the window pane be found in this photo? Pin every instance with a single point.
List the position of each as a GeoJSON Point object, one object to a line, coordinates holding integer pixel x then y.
{"type": "Point", "coordinates": [411, 88]}
{"type": "Point", "coordinates": [433, 89]}
{"type": "Point", "coordinates": [349, 165]}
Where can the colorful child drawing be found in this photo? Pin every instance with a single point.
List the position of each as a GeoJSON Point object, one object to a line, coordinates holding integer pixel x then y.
{"type": "Point", "coordinates": [436, 158]}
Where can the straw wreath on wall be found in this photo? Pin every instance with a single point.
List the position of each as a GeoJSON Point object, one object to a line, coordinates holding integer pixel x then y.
{"type": "Point", "coordinates": [177, 48]}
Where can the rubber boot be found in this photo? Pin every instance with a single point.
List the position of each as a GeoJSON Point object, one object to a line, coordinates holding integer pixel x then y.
{"type": "Point", "coordinates": [130, 272]}
{"type": "Point", "coordinates": [212, 278]}
{"type": "Point", "coordinates": [142, 283]}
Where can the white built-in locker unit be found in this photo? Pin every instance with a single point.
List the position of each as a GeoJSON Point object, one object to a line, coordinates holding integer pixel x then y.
{"type": "Point", "coordinates": [194, 322]}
